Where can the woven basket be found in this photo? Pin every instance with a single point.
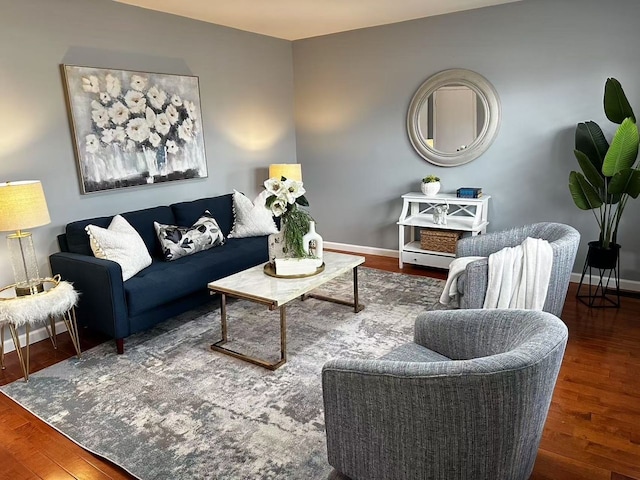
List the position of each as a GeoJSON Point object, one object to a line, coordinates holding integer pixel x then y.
{"type": "Point", "coordinates": [439, 240]}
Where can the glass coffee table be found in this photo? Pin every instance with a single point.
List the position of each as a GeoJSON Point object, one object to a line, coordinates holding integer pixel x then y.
{"type": "Point", "coordinates": [255, 285]}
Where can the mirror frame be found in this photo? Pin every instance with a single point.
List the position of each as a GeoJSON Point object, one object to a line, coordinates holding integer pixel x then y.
{"type": "Point", "coordinates": [490, 100]}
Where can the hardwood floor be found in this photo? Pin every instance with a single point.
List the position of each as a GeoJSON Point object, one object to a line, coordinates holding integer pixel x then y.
{"type": "Point", "coordinates": [592, 431]}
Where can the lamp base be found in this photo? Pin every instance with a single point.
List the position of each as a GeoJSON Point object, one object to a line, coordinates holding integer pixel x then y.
{"type": "Point", "coordinates": [24, 263]}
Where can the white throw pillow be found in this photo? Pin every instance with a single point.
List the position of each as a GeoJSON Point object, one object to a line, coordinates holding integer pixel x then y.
{"type": "Point", "coordinates": [251, 219]}
{"type": "Point", "coordinates": [120, 243]}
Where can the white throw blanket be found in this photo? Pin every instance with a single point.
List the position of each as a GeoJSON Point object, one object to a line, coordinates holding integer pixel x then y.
{"type": "Point", "coordinates": [518, 276]}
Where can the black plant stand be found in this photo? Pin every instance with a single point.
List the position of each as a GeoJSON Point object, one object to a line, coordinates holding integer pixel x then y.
{"type": "Point", "coordinates": [601, 295]}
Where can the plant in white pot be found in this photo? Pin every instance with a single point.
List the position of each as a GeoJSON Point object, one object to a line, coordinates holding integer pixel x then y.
{"type": "Point", "coordinates": [609, 174]}
{"type": "Point", "coordinates": [430, 185]}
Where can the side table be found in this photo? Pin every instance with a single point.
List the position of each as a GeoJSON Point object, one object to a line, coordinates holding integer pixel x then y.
{"type": "Point", "coordinates": [57, 300]}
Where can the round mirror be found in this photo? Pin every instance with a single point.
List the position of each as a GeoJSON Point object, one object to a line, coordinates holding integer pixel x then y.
{"type": "Point", "coordinates": [453, 117]}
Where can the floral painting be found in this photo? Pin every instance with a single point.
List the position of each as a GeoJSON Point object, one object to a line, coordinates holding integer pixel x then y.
{"type": "Point", "coordinates": [134, 128]}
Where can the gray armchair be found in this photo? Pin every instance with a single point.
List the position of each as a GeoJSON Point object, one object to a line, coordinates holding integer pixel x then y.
{"type": "Point", "coordinates": [467, 400]}
{"type": "Point", "coordinates": [564, 240]}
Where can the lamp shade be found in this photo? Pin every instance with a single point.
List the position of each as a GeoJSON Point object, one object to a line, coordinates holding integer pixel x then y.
{"type": "Point", "coordinates": [22, 206]}
{"type": "Point", "coordinates": [291, 171]}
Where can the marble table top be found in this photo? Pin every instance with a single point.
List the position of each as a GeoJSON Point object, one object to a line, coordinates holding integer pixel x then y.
{"type": "Point", "coordinates": [256, 285]}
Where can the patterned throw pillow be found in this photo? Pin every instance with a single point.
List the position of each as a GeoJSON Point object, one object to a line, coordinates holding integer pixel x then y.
{"type": "Point", "coordinates": [251, 219]}
{"type": "Point", "coordinates": [120, 243]}
{"type": "Point", "coordinates": [179, 242]}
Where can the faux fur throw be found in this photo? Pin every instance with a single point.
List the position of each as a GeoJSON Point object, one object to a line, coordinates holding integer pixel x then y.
{"type": "Point", "coordinates": [37, 308]}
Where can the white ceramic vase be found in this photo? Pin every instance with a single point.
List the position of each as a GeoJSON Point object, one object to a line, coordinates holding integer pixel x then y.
{"type": "Point", "coordinates": [312, 242]}
{"type": "Point", "coordinates": [430, 189]}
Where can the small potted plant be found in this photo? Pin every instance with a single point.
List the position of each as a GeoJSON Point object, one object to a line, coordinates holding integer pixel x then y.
{"type": "Point", "coordinates": [430, 185]}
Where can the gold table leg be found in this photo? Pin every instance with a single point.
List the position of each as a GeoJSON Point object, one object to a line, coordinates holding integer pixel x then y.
{"type": "Point", "coordinates": [51, 331]}
{"type": "Point", "coordinates": [2, 346]}
{"type": "Point", "coordinates": [16, 343]}
{"type": "Point", "coordinates": [357, 306]}
{"type": "Point", "coordinates": [69, 318]}
{"type": "Point", "coordinates": [217, 347]}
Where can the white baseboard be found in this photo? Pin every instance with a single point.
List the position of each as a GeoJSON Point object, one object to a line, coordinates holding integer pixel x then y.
{"type": "Point", "coordinates": [35, 335]}
{"type": "Point", "coordinates": [347, 247]}
{"type": "Point", "coordinates": [629, 285]}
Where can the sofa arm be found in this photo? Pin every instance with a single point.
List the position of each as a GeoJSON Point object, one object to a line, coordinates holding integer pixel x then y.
{"type": "Point", "coordinates": [102, 305]}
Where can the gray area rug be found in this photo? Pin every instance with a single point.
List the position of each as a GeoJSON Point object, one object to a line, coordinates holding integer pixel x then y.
{"type": "Point", "coordinates": [170, 408]}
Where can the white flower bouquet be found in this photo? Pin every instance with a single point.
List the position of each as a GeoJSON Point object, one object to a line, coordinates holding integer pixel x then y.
{"type": "Point", "coordinates": [286, 196]}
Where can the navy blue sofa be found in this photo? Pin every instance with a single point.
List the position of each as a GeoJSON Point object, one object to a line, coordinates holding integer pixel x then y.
{"type": "Point", "coordinates": [162, 290]}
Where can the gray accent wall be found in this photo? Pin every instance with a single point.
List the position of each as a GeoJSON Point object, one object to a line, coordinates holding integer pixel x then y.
{"type": "Point", "coordinates": [548, 60]}
{"type": "Point", "coordinates": [246, 89]}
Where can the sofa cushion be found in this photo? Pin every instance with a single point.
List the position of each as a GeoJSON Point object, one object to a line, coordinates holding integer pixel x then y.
{"type": "Point", "coordinates": [221, 208]}
{"type": "Point", "coordinates": [251, 219]}
{"type": "Point", "coordinates": [141, 220]}
{"type": "Point", "coordinates": [120, 243]}
{"type": "Point", "coordinates": [177, 242]}
{"type": "Point", "coordinates": [163, 282]}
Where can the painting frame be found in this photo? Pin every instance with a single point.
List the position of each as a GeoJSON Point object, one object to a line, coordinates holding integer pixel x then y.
{"type": "Point", "coordinates": [133, 128]}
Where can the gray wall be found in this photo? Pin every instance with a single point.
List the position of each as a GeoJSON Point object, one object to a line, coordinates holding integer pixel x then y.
{"type": "Point", "coordinates": [246, 89]}
{"type": "Point", "coordinates": [548, 60]}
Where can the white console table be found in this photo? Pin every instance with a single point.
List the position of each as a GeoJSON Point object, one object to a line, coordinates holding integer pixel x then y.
{"type": "Point", "coordinates": [466, 215]}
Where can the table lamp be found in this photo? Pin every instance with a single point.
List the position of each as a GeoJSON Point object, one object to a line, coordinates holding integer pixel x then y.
{"type": "Point", "coordinates": [290, 171]}
{"type": "Point", "coordinates": [22, 205]}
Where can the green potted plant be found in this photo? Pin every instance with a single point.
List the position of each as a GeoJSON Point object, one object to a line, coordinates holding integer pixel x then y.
{"type": "Point", "coordinates": [430, 185]}
{"type": "Point", "coordinates": [609, 175]}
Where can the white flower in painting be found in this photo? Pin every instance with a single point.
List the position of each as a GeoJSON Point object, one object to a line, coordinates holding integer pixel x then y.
{"type": "Point", "coordinates": [274, 186]}
{"type": "Point", "coordinates": [156, 97]}
{"type": "Point", "coordinates": [279, 206]}
{"type": "Point", "coordinates": [113, 85]}
{"type": "Point", "coordinates": [172, 114]}
{"type": "Point", "coordinates": [100, 117]}
{"type": "Point", "coordinates": [119, 135]}
{"type": "Point", "coordinates": [105, 98]}
{"type": "Point", "coordinates": [293, 189]}
{"type": "Point", "coordinates": [185, 130]}
{"type": "Point", "coordinates": [138, 82]}
{"type": "Point", "coordinates": [119, 113]}
{"type": "Point", "coordinates": [90, 84]}
{"type": "Point", "coordinates": [108, 135]}
{"type": "Point", "coordinates": [135, 101]}
{"type": "Point", "coordinates": [92, 143]}
{"type": "Point", "coordinates": [154, 139]}
{"type": "Point", "coordinates": [172, 147]}
{"type": "Point", "coordinates": [162, 123]}
{"type": "Point", "coordinates": [138, 130]}
{"type": "Point", "coordinates": [96, 105]}
{"type": "Point", "coordinates": [176, 101]}
{"type": "Point", "coordinates": [150, 116]}
{"type": "Point", "coordinates": [191, 109]}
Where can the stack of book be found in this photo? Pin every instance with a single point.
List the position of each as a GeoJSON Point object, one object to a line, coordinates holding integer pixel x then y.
{"type": "Point", "coordinates": [469, 192]}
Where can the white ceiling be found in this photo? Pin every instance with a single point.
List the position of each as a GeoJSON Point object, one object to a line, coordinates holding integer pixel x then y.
{"type": "Point", "coordinates": [296, 19]}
